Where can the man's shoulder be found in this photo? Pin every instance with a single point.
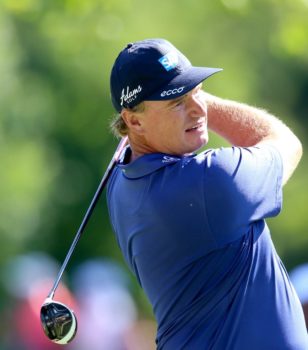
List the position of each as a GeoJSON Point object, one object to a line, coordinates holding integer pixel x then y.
{"type": "Point", "coordinates": [234, 156]}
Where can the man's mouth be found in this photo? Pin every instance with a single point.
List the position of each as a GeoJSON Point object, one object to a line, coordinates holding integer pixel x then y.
{"type": "Point", "coordinates": [195, 127]}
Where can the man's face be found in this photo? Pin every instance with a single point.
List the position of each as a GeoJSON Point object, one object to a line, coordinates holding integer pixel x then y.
{"type": "Point", "coordinates": [177, 126]}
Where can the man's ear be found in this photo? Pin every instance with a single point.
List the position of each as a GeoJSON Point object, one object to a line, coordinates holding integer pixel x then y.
{"type": "Point", "coordinates": [133, 120]}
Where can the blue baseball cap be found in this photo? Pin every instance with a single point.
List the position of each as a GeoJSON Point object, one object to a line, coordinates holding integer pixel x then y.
{"type": "Point", "coordinates": [153, 70]}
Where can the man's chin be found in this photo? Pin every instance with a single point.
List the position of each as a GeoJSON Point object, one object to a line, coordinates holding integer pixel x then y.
{"type": "Point", "coordinates": [198, 147]}
{"type": "Point", "coordinates": [203, 141]}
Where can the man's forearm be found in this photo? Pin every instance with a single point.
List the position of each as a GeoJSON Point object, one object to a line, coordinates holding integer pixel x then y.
{"type": "Point", "coordinates": [243, 125]}
{"type": "Point", "coordinates": [239, 124]}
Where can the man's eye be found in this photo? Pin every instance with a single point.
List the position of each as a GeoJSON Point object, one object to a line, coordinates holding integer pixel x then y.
{"type": "Point", "coordinates": [179, 103]}
{"type": "Point", "coordinates": [199, 90]}
{"type": "Point", "coordinates": [199, 93]}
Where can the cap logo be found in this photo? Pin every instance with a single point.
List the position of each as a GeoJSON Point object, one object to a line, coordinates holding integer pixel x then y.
{"type": "Point", "coordinates": [169, 61]}
{"type": "Point", "coordinates": [129, 96]}
{"type": "Point", "coordinates": [172, 92]}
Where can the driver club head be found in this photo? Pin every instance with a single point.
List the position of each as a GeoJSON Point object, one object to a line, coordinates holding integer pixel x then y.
{"type": "Point", "coordinates": [58, 321]}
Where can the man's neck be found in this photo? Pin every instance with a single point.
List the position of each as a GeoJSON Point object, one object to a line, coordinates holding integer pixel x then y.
{"type": "Point", "coordinates": [138, 147]}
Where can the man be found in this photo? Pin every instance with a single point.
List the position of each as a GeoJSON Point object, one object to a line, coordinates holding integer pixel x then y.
{"type": "Point", "coordinates": [191, 227]}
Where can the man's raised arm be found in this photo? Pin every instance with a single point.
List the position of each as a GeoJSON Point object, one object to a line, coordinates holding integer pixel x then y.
{"type": "Point", "coordinates": [244, 126]}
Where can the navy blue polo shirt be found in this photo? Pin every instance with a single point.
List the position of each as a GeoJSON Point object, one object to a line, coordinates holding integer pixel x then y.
{"type": "Point", "coordinates": [192, 230]}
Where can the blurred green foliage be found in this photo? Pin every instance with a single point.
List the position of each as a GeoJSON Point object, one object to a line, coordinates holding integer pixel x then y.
{"type": "Point", "coordinates": [55, 61]}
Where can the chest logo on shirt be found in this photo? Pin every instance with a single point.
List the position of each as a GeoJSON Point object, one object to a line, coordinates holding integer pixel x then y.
{"type": "Point", "coordinates": [167, 159]}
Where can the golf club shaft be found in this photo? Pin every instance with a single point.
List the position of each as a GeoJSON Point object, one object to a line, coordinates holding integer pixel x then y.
{"type": "Point", "coordinates": [87, 216]}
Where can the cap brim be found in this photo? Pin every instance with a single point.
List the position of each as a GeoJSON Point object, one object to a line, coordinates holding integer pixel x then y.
{"type": "Point", "coordinates": [183, 83]}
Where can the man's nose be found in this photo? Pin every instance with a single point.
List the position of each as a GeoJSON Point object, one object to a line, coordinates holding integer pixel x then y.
{"type": "Point", "coordinates": [197, 105]}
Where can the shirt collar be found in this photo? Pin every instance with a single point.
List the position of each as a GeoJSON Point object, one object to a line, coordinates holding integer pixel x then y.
{"type": "Point", "coordinates": [146, 164]}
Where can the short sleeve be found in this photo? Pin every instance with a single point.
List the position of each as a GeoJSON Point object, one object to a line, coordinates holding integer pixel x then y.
{"type": "Point", "coordinates": [242, 185]}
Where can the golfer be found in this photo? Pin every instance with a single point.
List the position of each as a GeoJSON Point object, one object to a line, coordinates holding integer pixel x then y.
{"type": "Point", "coordinates": [192, 226]}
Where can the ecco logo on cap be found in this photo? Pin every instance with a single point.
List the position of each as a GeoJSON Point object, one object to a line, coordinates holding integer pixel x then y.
{"type": "Point", "coordinates": [172, 92]}
{"type": "Point", "coordinates": [169, 61]}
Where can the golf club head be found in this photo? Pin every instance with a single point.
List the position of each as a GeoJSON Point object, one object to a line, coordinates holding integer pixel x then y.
{"type": "Point", "coordinates": [58, 321]}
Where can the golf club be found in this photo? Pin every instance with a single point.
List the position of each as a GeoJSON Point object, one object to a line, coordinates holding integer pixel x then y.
{"type": "Point", "coordinates": [58, 321]}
